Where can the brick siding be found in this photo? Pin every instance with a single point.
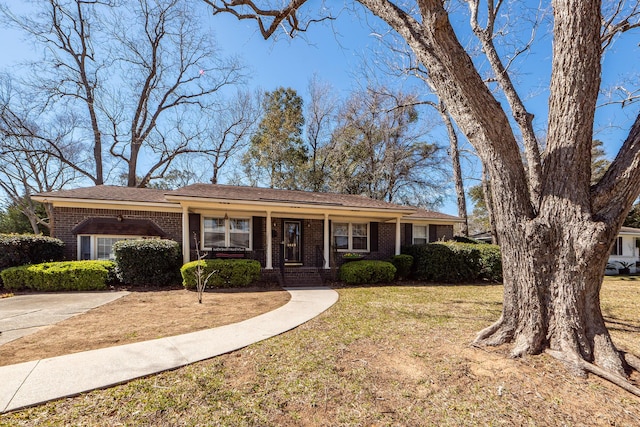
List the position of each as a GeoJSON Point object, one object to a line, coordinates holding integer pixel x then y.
{"type": "Point", "coordinates": [66, 219]}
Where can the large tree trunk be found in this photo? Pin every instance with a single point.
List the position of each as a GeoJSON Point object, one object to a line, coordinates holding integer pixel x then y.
{"type": "Point", "coordinates": [554, 262]}
{"type": "Point", "coordinates": [552, 288]}
{"type": "Point", "coordinates": [554, 253]}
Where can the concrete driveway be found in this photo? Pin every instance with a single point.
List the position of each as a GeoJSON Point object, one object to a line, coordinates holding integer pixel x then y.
{"type": "Point", "coordinates": [25, 314]}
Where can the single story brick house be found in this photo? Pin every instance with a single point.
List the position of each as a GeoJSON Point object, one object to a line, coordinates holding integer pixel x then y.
{"type": "Point", "coordinates": [283, 229]}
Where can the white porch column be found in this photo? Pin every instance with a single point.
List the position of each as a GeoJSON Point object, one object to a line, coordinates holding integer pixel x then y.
{"type": "Point", "coordinates": [269, 254]}
{"type": "Point", "coordinates": [398, 236]}
{"type": "Point", "coordinates": [186, 251]}
{"type": "Point", "coordinates": [326, 241]}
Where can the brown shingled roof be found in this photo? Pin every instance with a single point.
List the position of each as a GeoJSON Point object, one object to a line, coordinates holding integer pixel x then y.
{"type": "Point", "coordinates": [110, 193]}
{"type": "Point", "coordinates": [425, 214]}
{"type": "Point", "coordinates": [228, 192]}
{"type": "Point", "coordinates": [237, 193]}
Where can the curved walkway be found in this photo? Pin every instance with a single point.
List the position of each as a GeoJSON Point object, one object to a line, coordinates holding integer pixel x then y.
{"type": "Point", "coordinates": [31, 383]}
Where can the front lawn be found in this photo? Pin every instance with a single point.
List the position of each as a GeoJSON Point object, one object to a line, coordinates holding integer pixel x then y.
{"type": "Point", "coordinates": [381, 356]}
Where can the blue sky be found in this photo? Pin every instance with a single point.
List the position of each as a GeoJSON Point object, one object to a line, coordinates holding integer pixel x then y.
{"type": "Point", "coordinates": [334, 52]}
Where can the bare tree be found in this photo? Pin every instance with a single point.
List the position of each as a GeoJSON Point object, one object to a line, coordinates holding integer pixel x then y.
{"type": "Point", "coordinates": [135, 72]}
{"type": "Point", "coordinates": [454, 153]}
{"type": "Point", "coordinates": [227, 130]}
{"type": "Point", "coordinates": [26, 164]}
{"type": "Point", "coordinates": [397, 61]}
{"type": "Point", "coordinates": [321, 113]}
{"type": "Point", "coordinates": [555, 229]}
{"type": "Point", "coordinates": [379, 149]}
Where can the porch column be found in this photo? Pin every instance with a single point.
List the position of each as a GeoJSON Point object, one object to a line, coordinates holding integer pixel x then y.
{"type": "Point", "coordinates": [186, 248]}
{"type": "Point", "coordinates": [326, 241]}
{"type": "Point", "coordinates": [398, 237]}
{"type": "Point", "coordinates": [269, 254]}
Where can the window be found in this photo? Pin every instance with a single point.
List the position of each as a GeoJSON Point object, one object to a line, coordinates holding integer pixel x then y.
{"type": "Point", "coordinates": [214, 233]}
{"type": "Point", "coordinates": [226, 233]}
{"type": "Point", "coordinates": [99, 247]}
{"type": "Point", "coordinates": [239, 233]}
{"type": "Point", "coordinates": [617, 247]}
{"type": "Point", "coordinates": [351, 237]}
{"type": "Point", "coordinates": [420, 234]}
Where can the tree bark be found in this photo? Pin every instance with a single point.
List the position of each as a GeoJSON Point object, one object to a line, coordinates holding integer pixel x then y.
{"type": "Point", "coordinates": [553, 258]}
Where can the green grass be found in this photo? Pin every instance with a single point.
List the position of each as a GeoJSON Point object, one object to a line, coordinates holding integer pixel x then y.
{"type": "Point", "coordinates": [380, 356]}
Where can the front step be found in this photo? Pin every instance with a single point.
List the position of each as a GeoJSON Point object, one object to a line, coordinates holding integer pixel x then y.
{"type": "Point", "coordinates": [301, 276]}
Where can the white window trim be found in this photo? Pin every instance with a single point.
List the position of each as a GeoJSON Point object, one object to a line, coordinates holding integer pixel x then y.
{"type": "Point", "coordinates": [227, 231]}
{"type": "Point", "coordinates": [94, 242]}
{"type": "Point", "coordinates": [413, 232]}
{"type": "Point", "coordinates": [350, 236]}
{"type": "Point", "coordinates": [618, 244]}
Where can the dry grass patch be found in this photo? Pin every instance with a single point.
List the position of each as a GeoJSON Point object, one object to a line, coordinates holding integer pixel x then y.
{"type": "Point", "coordinates": [383, 356]}
{"type": "Point", "coordinates": [141, 316]}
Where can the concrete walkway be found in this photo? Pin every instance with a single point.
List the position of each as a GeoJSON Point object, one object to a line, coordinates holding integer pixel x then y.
{"type": "Point", "coordinates": [31, 383]}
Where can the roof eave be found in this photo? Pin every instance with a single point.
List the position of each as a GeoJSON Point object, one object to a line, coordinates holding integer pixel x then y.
{"type": "Point", "coordinates": [434, 220]}
{"type": "Point", "coordinates": [68, 201]}
{"type": "Point", "coordinates": [293, 205]}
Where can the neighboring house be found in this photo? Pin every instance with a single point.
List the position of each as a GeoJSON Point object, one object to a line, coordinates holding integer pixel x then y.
{"type": "Point", "coordinates": [280, 228]}
{"type": "Point", "coordinates": [625, 251]}
{"type": "Point", "coordinates": [484, 237]}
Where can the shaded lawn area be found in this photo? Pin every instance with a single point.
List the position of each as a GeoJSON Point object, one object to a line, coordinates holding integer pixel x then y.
{"type": "Point", "coordinates": [391, 355]}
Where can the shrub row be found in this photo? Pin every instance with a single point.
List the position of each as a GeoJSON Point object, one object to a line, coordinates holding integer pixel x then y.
{"type": "Point", "coordinates": [366, 272]}
{"type": "Point", "coordinates": [60, 276]}
{"type": "Point", "coordinates": [22, 249]}
{"type": "Point", "coordinates": [150, 262]}
{"type": "Point", "coordinates": [452, 262]}
{"type": "Point", "coordinates": [403, 264]}
{"type": "Point", "coordinates": [232, 273]}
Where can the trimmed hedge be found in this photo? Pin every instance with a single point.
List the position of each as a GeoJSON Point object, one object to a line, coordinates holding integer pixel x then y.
{"type": "Point", "coordinates": [22, 249]}
{"type": "Point", "coordinates": [149, 262]}
{"type": "Point", "coordinates": [403, 264]}
{"type": "Point", "coordinates": [60, 276]}
{"type": "Point", "coordinates": [231, 273]}
{"type": "Point", "coordinates": [452, 262]}
{"type": "Point", "coordinates": [366, 272]}
{"type": "Point", "coordinates": [491, 261]}
{"type": "Point", "coordinates": [464, 239]}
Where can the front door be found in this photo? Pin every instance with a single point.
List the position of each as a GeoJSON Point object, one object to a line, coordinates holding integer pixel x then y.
{"type": "Point", "coordinates": [292, 240]}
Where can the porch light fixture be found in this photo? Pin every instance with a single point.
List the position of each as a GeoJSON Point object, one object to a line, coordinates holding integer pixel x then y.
{"type": "Point", "coordinates": [119, 218]}
{"type": "Point", "coordinates": [274, 224]}
{"type": "Point", "coordinates": [226, 217]}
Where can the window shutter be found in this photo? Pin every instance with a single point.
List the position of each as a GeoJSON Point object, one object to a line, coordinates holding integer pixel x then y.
{"type": "Point", "coordinates": [194, 228]}
{"type": "Point", "coordinates": [258, 225]}
{"type": "Point", "coordinates": [373, 242]}
{"type": "Point", "coordinates": [408, 234]}
{"type": "Point", "coordinates": [433, 233]}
